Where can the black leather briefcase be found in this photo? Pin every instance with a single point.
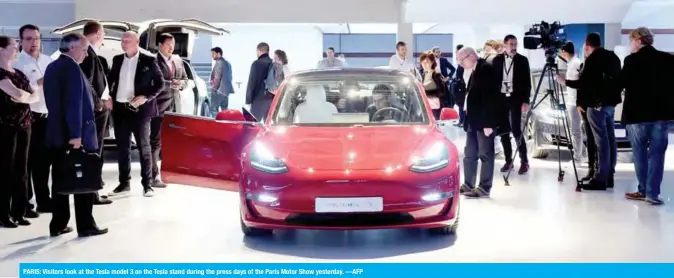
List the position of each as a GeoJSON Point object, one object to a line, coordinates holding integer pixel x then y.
{"type": "Point", "coordinates": [76, 172]}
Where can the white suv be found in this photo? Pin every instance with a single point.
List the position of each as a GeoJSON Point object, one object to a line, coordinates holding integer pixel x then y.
{"type": "Point", "coordinates": [195, 96]}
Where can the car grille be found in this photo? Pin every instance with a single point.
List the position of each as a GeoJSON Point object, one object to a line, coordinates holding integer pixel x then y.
{"type": "Point", "coordinates": [349, 220]}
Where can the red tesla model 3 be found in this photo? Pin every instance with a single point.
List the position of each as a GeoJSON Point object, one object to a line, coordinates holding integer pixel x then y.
{"type": "Point", "coordinates": [339, 149]}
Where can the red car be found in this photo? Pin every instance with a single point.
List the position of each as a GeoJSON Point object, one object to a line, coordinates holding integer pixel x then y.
{"type": "Point", "coordinates": [339, 149]}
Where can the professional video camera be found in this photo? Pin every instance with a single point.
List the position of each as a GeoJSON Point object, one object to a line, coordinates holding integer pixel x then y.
{"type": "Point", "coordinates": [550, 37]}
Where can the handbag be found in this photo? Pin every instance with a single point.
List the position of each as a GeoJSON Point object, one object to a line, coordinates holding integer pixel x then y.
{"type": "Point", "coordinates": [76, 171]}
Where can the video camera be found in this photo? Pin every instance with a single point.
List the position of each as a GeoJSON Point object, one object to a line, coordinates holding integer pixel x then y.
{"type": "Point", "coordinates": [550, 37]}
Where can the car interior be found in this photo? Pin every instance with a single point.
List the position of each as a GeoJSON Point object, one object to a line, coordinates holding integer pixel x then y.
{"type": "Point", "coordinates": [349, 102]}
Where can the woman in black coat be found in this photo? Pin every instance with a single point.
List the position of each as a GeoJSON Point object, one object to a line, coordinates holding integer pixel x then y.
{"type": "Point", "coordinates": [431, 79]}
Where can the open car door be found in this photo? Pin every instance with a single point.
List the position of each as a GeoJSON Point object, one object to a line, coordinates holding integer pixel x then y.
{"type": "Point", "coordinates": [184, 32]}
{"type": "Point", "coordinates": [112, 28]}
{"type": "Point", "coordinates": [205, 152]}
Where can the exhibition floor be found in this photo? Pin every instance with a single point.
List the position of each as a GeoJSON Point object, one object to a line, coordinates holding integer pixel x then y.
{"type": "Point", "coordinates": [535, 219]}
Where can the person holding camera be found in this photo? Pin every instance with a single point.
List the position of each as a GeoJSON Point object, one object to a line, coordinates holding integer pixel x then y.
{"type": "Point", "coordinates": [600, 92]}
{"type": "Point", "coordinates": [647, 111]}
{"type": "Point", "coordinates": [568, 53]}
{"type": "Point", "coordinates": [515, 76]}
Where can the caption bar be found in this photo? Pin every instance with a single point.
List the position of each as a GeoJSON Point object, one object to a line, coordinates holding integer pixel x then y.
{"type": "Point", "coordinates": [407, 270]}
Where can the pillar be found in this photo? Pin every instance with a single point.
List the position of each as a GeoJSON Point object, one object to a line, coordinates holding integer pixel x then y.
{"type": "Point", "coordinates": [612, 35]}
{"type": "Point", "coordinates": [405, 31]}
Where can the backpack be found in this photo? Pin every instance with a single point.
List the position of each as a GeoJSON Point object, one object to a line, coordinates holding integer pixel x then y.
{"type": "Point", "coordinates": [272, 82]}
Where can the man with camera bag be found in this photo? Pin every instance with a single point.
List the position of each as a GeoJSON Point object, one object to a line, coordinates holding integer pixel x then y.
{"type": "Point", "coordinates": [71, 128]}
{"type": "Point", "coordinates": [599, 93]}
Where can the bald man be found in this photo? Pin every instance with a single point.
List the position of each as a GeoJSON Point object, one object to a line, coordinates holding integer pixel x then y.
{"type": "Point", "coordinates": [483, 111]}
{"type": "Point", "coordinates": [135, 80]}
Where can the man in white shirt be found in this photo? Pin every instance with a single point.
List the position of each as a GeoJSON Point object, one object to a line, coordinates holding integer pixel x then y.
{"type": "Point", "coordinates": [33, 64]}
{"type": "Point", "coordinates": [572, 73]}
{"type": "Point", "coordinates": [400, 62]}
{"type": "Point", "coordinates": [330, 60]}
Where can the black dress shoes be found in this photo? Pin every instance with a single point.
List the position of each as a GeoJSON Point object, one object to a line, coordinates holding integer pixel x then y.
{"type": "Point", "coordinates": [21, 221]}
{"type": "Point", "coordinates": [31, 214]}
{"type": "Point", "coordinates": [92, 232]}
{"type": "Point", "coordinates": [61, 232]}
{"type": "Point", "coordinates": [595, 185]}
{"type": "Point", "coordinates": [8, 223]}
{"type": "Point", "coordinates": [101, 201]}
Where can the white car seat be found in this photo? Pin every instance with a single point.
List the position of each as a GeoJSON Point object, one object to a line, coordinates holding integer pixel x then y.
{"type": "Point", "coordinates": [315, 108]}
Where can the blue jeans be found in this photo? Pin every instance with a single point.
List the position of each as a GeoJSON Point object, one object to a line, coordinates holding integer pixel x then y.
{"type": "Point", "coordinates": [602, 123]}
{"type": "Point", "coordinates": [649, 143]}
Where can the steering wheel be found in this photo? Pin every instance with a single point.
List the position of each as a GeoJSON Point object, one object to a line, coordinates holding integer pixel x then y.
{"type": "Point", "coordinates": [399, 113]}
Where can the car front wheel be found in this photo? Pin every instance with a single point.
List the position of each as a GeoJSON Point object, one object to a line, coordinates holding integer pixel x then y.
{"type": "Point", "coordinates": [253, 232]}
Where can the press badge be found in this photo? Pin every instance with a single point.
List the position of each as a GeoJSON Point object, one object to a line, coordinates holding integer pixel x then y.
{"type": "Point", "coordinates": [507, 85]}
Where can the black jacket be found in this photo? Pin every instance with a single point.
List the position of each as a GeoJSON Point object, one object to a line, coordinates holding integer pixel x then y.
{"type": "Point", "coordinates": [256, 93]}
{"type": "Point", "coordinates": [484, 104]}
{"type": "Point", "coordinates": [441, 88]}
{"type": "Point", "coordinates": [95, 71]}
{"type": "Point", "coordinates": [598, 84]}
{"type": "Point", "coordinates": [148, 82]}
{"type": "Point", "coordinates": [459, 86]}
{"type": "Point", "coordinates": [521, 76]}
{"type": "Point", "coordinates": [649, 90]}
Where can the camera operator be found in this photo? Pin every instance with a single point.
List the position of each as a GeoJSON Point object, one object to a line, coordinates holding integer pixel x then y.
{"type": "Point", "coordinates": [515, 76]}
{"type": "Point", "coordinates": [568, 53]}
{"type": "Point", "coordinates": [647, 111]}
{"type": "Point", "coordinates": [599, 94]}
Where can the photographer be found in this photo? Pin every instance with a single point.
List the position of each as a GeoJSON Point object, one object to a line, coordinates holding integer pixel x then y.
{"type": "Point", "coordinates": [599, 94]}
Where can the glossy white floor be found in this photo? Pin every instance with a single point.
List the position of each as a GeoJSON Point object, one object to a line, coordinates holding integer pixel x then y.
{"type": "Point", "coordinates": [535, 219]}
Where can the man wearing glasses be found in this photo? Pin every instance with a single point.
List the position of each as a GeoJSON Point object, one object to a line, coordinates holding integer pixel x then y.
{"type": "Point", "coordinates": [483, 111]}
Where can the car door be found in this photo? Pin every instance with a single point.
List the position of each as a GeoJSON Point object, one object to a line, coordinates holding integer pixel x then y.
{"type": "Point", "coordinates": [204, 152]}
{"type": "Point", "coordinates": [184, 32]}
{"type": "Point", "coordinates": [112, 28]}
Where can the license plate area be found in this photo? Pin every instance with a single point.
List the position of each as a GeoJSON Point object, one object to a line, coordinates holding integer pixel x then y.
{"type": "Point", "coordinates": [361, 204]}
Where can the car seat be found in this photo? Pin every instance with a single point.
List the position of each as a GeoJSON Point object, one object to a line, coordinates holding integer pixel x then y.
{"type": "Point", "coordinates": [315, 108]}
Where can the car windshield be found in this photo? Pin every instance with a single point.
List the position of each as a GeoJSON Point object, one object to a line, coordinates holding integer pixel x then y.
{"type": "Point", "coordinates": [347, 100]}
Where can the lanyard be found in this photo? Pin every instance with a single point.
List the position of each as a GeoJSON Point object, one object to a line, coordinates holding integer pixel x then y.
{"type": "Point", "coordinates": [507, 71]}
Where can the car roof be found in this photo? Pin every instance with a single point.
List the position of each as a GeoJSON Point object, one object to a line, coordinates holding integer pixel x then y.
{"type": "Point", "coordinates": [349, 71]}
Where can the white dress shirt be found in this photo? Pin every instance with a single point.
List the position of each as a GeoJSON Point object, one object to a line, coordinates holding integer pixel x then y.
{"type": "Point", "coordinates": [403, 64]}
{"type": "Point", "coordinates": [34, 69]}
{"type": "Point", "coordinates": [572, 73]}
{"type": "Point", "coordinates": [127, 75]}
{"type": "Point", "coordinates": [467, 74]}
{"type": "Point", "coordinates": [507, 76]}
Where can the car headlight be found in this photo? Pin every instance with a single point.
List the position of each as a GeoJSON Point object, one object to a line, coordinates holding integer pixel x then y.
{"type": "Point", "coordinates": [264, 160]}
{"type": "Point", "coordinates": [436, 158]}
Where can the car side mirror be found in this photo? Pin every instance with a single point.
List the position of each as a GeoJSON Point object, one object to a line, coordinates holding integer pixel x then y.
{"type": "Point", "coordinates": [448, 114]}
{"type": "Point", "coordinates": [232, 115]}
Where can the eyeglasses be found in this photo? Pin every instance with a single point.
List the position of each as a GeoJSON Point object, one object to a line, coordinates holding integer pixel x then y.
{"type": "Point", "coordinates": [464, 58]}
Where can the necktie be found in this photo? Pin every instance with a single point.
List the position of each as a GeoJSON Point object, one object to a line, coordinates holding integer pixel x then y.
{"type": "Point", "coordinates": [171, 67]}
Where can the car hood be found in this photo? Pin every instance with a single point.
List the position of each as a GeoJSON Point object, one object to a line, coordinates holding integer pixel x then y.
{"type": "Point", "coordinates": [340, 148]}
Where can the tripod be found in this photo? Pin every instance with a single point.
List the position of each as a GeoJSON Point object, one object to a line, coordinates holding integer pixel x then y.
{"type": "Point", "coordinates": [557, 103]}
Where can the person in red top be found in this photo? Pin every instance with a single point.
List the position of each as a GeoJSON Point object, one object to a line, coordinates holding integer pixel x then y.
{"type": "Point", "coordinates": [15, 121]}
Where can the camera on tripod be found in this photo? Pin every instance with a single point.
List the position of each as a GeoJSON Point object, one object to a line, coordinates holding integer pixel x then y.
{"type": "Point", "coordinates": [549, 37]}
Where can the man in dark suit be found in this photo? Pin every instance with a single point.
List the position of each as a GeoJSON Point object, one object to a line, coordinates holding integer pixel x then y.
{"type": "Point", "coordinates": [447, 70]}
{"type": "Point", "coordinates": [599, 89]}
{"type": "Point", "coordinates": [135, 81]}
{"type": "Point", "coordinates": [94, 70]}
{"type": "Point", "coordinates": [175, 79]}
{"type": "Point", "coordinates": [458, 90]}
{"type": "Point", "coordinates": [515, 78]}
{"type": "Point", "coordinates": [71, 124]}
{"type": "Point", "coordinates": [483, 103]}
{"type": "Point", "coordinates": [257, 95]}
